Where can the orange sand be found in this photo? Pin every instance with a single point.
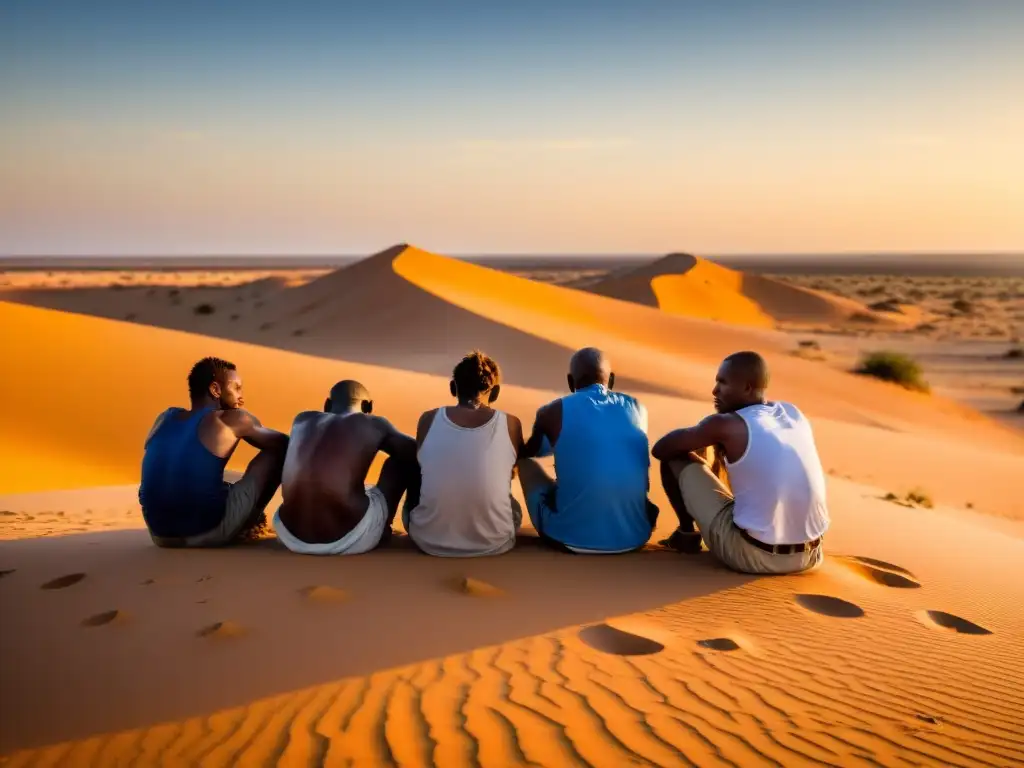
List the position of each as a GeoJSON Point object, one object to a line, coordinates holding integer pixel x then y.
{"type": "Point", "coordinates": [252, 655]}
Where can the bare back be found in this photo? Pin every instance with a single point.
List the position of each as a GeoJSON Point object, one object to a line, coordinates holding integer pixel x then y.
{"type": "Point", "coordinates": [325, 470]}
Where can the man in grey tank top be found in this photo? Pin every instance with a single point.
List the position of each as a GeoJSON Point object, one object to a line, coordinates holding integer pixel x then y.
{"type": "Point", "coordinates": [772, 519]}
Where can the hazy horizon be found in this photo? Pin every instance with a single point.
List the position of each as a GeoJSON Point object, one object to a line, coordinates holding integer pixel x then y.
{"type": "Point", "coordinates": [730, 128]}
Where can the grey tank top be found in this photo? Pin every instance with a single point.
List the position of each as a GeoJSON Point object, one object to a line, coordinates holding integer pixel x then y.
{"type": "Point", "coordinates": [465, 507]}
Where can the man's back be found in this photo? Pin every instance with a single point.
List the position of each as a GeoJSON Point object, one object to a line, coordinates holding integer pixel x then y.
{"type": "Point", "coordinates": [778, 483]}
{"type": "Point", "coordinates": [329, 456]}
{"type": "Point", "coordinates": [326, 464]}
{"type": "Point", "coordinates": [182, 491]}
{"type": "Point", "coordinates": [601, 466]}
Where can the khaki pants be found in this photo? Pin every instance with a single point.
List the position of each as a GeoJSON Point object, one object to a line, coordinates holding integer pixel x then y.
{"type": "Point", "coordinates": [240, 513]}
{"type": "Point", "coordinates": [710, 504]}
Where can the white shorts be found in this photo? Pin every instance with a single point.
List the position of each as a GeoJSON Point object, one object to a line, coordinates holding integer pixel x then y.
{"type": "Point", "coordinates": [364, 537]}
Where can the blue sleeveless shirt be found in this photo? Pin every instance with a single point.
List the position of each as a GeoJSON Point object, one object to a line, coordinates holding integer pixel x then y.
{"type": "Point", "coordinates": [182, 492]}
{"type": "Point", "coordinates": [601, 468]}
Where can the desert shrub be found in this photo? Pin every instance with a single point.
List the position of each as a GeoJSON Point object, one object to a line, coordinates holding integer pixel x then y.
{"type": "Point", "coordinates": [963, 306]}
{"type": "Point", "coordinates": [887, 305]}
{"type": "Point", "coordinates": [1014, 354]}
{"type": "Point", "coordinates": [809, 344]}
{"type": "Point", "coordinates": [920, 497]}
{"type": "Point", "coordinates": [894, 367]}
{"type": "Point", "coordinates": [205, 309]}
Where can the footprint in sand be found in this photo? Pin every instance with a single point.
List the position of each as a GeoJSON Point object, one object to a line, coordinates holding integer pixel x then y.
{"type": "Point", "coordinates": [64, 581]}
{"type": "Point", "coordinates": [944, 620]}
{"type": "Point", "coordinates": [606, 639]}
{"type": "Point", "coordinates": [830, 606]}
{"type": "Point", "coordinates": [719, 644]}
{"type": "Point", "coordinates": [222, 629]}
{"type": "Point", "coordinates": [476, 588]}
{"type": "Point", "coordinates": [881, 572]}
{"type": "Point", "coordinates": [323, 594]}
{"type": "Point", "coordinates": [107, 617]}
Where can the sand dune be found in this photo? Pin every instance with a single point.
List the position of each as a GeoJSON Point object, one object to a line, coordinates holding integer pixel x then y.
{"type": "Point", "coordinates": [905, 647]}
{"type": "Point", "coordinates": [408, 309]}
{"type": "Point", "coordinates": [690, 286]}
{"type": "Point", "coordinates": [652, 657]}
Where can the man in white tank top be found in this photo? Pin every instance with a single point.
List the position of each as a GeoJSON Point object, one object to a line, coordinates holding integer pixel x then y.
{"type": "Point", "coordinates": [467, 455]}
{"type": "Point", "coordinates": [773, 517]}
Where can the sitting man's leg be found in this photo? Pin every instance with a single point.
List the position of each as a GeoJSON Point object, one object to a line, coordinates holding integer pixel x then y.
{"type": "Point", "coordinates": [697, 496]}
{"type": "Point", "coordinates": [686, 537]}
{"type": "Point", "coordinates": [398, 478]}
{"type": "Point", "coordinates": [539, 492]}
{"type": "Point", "coordinates": [246, 503]}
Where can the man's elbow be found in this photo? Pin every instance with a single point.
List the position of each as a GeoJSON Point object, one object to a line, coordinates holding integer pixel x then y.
{"type": "Point", "coordinates": [659, 452]}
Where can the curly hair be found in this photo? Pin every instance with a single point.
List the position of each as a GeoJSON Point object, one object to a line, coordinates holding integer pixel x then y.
{"type": "Point", "coordinates": [204, 373]}
{"type": "Point", "coordinates": [476, 374]}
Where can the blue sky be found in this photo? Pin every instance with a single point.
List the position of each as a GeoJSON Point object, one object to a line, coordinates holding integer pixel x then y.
{"type": "Point", "coordinates": [584, 127]}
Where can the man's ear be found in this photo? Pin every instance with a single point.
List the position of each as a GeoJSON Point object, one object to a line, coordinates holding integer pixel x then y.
{"type": "Point", "coordinates": [327, 405]}
{"type": "Point", "coordinates": [494, 393]}
{"type": "Point", "coordinates": [572, 383]}
{"type": "Point", "coordinates": [453, 389]}
{"type": "Point", "coordinates": [215, 390]}
{"type": "Point", "coordinates": [367, 406]}
{"type": "Point", "coordinates": [611, 381]}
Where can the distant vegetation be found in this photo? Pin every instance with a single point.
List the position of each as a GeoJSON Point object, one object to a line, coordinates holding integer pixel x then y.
{"type": "Point", "coordinates": [916, 497]}
{"type": "Point", "coordinates": [895, 367]}
{"type": "Point", "coordinates": [1014, 354]}
{"type": "Point", "coordinates": [205, 309]}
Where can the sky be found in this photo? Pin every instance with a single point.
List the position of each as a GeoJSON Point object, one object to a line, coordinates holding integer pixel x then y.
{"type": "Point", "coordinates": [590, 127]}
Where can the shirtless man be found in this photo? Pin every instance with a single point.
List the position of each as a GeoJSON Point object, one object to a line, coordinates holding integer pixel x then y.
{"type": "Point", "coordinates": [328, 509]}
{"type": "Point", "coordinates": [185, 499]}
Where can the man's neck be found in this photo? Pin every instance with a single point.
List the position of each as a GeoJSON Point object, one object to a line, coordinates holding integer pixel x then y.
{"type": "Point", "coordinates": [590, 384]}
{"type": "Point", "coordinates": [475, 404]}
{"type": "Point", "coordinates": [198, 405]}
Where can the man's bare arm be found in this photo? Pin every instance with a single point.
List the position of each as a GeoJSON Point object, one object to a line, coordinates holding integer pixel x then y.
{"type": "Point", "coordinates": [395, 443]}
{"type": "Point", "coordinates": [426, 419]}
{"type": "Point", "coordinates": [533, 445]}
{"type": "Point", "coordinates": [247, 427]}
{"type": "Point", "coordinates": [679, 443]}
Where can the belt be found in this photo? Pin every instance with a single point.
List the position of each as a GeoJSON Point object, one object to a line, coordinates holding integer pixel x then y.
{"type": "Point", "coordinates": [779, 549]}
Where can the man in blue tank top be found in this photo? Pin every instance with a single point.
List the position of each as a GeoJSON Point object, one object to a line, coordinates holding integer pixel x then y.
{"type": "Point", "coordinates": [185, 500]}
{"type": "Point", "coordinates": [598, 504]}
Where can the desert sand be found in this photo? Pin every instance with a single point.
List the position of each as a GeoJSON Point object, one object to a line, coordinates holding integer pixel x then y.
{"type": "Point", "coordinates": [904, 648]}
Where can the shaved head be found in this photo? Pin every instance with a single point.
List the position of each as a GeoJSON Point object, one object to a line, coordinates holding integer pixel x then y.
{"type": "Point", "coordinates": [348, 395]}
{"type": "Point", "coordinates": [742, 380]}
{"type": "Point", "coordinates": [590, 366]}
{"type": "Point", "coordinates": [751, 368]}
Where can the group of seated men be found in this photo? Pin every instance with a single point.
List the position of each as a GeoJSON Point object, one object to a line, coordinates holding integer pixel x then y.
{"type": "Point", "coordinates": [456, 474]}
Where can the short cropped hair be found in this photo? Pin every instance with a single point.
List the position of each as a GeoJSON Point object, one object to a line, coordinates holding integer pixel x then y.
{"type": "Point", "coordinates": [476, 374]}
{"type": "Point", "coordinates": [752, 367]}
{"type": "Point", "coordinates": [204, 373]}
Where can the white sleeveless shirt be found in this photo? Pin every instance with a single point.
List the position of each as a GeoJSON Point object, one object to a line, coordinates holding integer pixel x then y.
{"type": "Point", "coordinates": [465, 507]}
{"type": "Point", "coordinates": [778, 482]}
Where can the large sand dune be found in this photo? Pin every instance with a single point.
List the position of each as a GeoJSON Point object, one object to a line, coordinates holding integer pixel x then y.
{"type": "Point", "coordinates": [690, 286]}
{"type": "Point", "coordinates": [904, 648]}
{"type": "Point", "coordinates": [409, 309]}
